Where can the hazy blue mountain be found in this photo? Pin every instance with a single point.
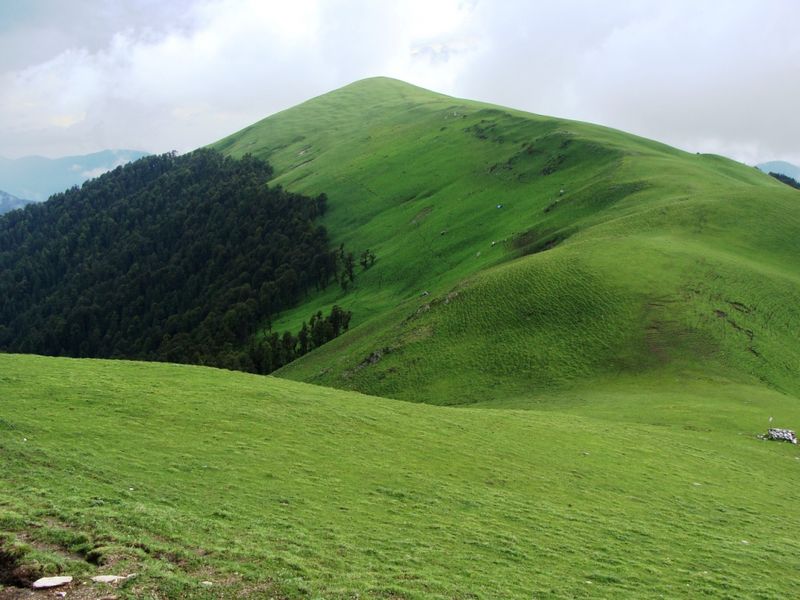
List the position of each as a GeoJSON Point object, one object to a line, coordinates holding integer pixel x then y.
{"type": "Point", "coordinates": [782, 167]}
{"type": "Point", "coordinates": [36, 177]}
{"type": "Point", "coordinates": [9, 202]}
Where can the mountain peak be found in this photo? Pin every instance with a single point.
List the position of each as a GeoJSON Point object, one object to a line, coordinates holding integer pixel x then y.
{"type": "Point", "coordinates": [782, 167]}
{"type": "Point", "coordinates": [381, 89]}
{"type": "Point", "coordinates": [385, 82]}
{"type": "Point", "coordinates": [10, 202]}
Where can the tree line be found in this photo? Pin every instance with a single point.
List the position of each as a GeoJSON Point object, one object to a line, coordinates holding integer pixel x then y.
{"type": "Point", "coordinates": [171, 258]}
{"type": "Point", "coordinates": [786, 179]}
{"type": "Point", "coordinates": [274, 350]}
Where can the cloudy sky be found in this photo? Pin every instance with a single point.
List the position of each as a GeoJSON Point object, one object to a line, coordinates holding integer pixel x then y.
{"type": "Point", "coordinates": [705, 75]}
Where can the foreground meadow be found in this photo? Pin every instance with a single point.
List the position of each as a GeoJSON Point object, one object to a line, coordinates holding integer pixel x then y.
{"type": "Point", "coordinates": [271, 488]}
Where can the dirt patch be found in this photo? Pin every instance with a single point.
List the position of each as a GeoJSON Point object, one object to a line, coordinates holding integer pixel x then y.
{"type": "Point", "coordinates": [442, 300]}
{"type": "Point", "coordinates": [743, 308]}
{"type": "Point", "coordinates": [417, 334]}
{"type": "Point", "coordinates": [533, 241]}
{"type": "Point", "coordinates": [53, 548]}
{"type": "Point", "coordinates": [13, 570]}
{"type": "Point", "coordinates": [18, 571]}
{"type": "Point", "coordinates": [485, 130]}
{"type": "Point", "coordinates": [656, 345]}
{"type": "Point", "coordinates": [554, 164]}
{"type": "Point", "coordinates": [667, 337]}
{"type": "Point", "coordinates": [374, 358]}
{"type": "Point", "coordinates": [723, 315]}
{"type": "Point", "coordinates": [76, 590]}
{"type": "Point", "coordinates": [421, 215]}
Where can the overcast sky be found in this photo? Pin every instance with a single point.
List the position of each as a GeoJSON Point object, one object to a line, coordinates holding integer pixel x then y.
{"type": "Point", "coordinates": [704, 75]}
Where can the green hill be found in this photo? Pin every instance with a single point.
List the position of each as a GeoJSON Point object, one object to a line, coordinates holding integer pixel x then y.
{"type": "Point", "coordinates": [519, 255]}
{"type": "Point", "coordinates": [270, 488]}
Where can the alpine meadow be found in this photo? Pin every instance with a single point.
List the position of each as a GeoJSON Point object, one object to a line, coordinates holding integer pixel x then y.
{"type": "Point", "coordinates": [512, 356]}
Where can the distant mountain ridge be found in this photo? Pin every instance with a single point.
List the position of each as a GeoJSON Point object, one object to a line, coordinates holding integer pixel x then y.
{"type": "Point", "coordinates": [9, 202]}
{"type": "Point", "coordinates": [37, 177]}
{"type": "Point", "coordinates": [782, 167]}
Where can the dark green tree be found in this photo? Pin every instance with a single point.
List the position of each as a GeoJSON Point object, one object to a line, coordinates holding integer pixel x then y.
{"type": "Point", "coordinates": [177, 258]}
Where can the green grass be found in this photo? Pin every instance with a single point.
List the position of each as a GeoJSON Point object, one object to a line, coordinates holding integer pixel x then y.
{"type": "Point", "coordinates": [613, 356]}
{"type": "Point", "coordinates": [661, 260]}
{"type": "Point", "coordinates": [273, 488]}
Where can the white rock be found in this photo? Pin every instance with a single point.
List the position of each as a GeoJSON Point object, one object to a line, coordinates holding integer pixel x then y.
{"type": "Point", "coordinates": [206, 583]}
{"type": "Point", "coordinates": [48, 582]}
{"type": "Point", "coordinates": [107, 578]}
{"type": "Point", "coordinates": [784, 435]}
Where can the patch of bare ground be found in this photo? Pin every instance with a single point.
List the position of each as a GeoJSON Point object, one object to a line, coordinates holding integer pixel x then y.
{"type": "Point", "coordinates": [77, 590]}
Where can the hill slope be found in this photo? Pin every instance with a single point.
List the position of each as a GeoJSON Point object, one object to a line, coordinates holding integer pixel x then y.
{"type": "Point", "coordinates": [519, 255]}
{"type": "Point", "coordinates": [271, 488]}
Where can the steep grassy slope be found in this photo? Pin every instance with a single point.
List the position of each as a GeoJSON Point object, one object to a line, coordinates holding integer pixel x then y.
{"type": "Point", "coordinates": [555, 253]}
{"type": "Point", "coordinates": [271, 488]}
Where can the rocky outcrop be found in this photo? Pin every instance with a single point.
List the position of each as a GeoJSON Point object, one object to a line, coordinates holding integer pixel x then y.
{"type": "Point", "coordinates": [49, 582]}
{"type": "Point", "coordinates": [110, 578]}
{"type": "Point", "coordinates": [781, 435]}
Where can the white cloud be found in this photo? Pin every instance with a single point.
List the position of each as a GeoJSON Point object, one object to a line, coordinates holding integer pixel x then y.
{"type": "Point", "coordinates": [707, 76]}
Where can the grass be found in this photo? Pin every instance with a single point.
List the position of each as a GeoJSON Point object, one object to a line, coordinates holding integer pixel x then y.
{"type": "Point", "coordinates": [272, 488]}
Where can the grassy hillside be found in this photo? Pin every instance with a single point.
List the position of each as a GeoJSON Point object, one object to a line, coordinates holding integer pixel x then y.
{"type": "Point", "coordinates": [520, 255]}
{"type": "Point", "coordinates": [271, 488]}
